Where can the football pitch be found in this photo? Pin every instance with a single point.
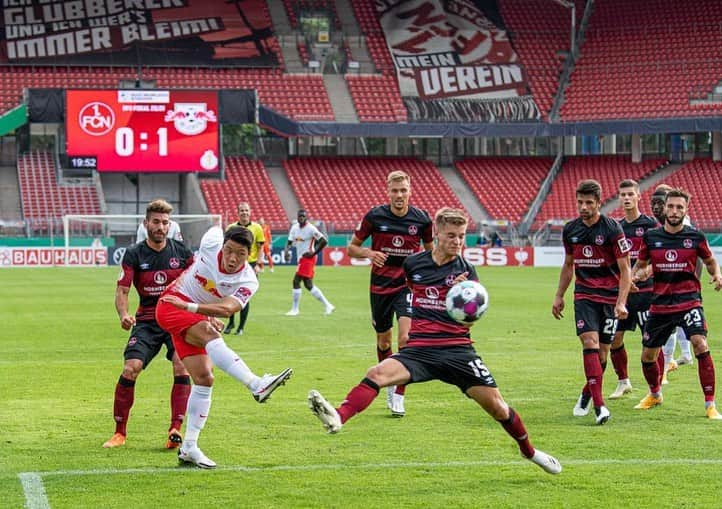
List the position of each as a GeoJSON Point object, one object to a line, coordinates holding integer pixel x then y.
{"type": "Point", "coordinates": [61, 355]}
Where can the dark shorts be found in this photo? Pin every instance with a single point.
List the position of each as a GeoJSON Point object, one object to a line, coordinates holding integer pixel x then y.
{"type": "Point", "coordinates": [145, 341]}
{"type": "Point", "coordinates": [595, 317]}
{"type": "Point", "coordinates": [638, 307]}
{"type": "Point", "coordinates": [383, 308]}
{"type": "Point", "coordinates": [660, 326]}
{"type": "Point", "coordinates": [456, 365]}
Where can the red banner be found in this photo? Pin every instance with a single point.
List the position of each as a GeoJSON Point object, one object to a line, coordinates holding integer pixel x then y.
{"type": "Point", "coordinates": [478, 256]}
{"type": "Point", "coordinates": [51, 256]}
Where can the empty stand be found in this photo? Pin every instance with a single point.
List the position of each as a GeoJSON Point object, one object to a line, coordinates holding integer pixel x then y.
{"type": "Point", "coordinates": [702, 178]}
{"type": "Point", "coordinates": [245, 180]}
{"type": "Point", "coordinates": [341, 190]}
{"type": "Point", "coordinates": [302, 97]}
{"type": "Point", "coordinates": [607, 170]}
{"type": "Point", "coordinates": [376, 98]}
{"type": "Point", "coordinates": [44, 200]}
{"type": "Point", "coordinates": [645, 60]}
{"type": "Point", "coordinates": [505, 186]}
{"type": "Point", "coordinates": [537, 40]}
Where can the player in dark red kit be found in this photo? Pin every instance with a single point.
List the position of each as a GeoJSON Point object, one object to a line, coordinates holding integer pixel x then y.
{"type": "Point", "coordinates": [438, 348]}
{"type": "Point", "coordinates": [397, 231]}
{"type": "Point", "coordinates": [597, 256]}
{"type": "Point", "coordinates": [634, 224]}
{"type": "Point", "coordinates": [672, 252]}
{"type": "Point", "coordinates": [150, 266]}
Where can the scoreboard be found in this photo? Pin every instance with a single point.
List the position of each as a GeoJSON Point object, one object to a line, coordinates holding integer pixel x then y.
{"type": "Point", "coordinates": [142, 130]}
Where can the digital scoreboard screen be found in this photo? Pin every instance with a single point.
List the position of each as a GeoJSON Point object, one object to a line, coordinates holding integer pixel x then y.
{"type": "Point", "coordinates": [142, 130]}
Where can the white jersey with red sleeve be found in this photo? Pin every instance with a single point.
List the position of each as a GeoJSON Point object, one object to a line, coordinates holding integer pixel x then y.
{"type": "Point", "coordinates": [303, 237]}
{"type": "Point", "coordinates": [205, 282]}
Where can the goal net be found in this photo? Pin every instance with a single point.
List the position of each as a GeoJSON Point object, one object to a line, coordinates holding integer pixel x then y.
{"type": "Point", "coordinates": [121, 230]}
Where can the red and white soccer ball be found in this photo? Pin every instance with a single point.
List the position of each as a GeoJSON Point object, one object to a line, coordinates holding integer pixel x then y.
{"type": "Point", "coordinates": [467, 301]}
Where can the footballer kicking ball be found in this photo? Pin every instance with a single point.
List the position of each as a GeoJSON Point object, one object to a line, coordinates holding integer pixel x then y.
{"type": "Point", "coordinates": [467, 301]}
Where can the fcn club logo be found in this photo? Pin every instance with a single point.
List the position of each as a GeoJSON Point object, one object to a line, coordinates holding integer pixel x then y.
{"type": "Point", "coordinates": [96, 118]}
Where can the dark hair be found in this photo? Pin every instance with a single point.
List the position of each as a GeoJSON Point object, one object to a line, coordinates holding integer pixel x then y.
{"type": "Point", "coordinates": [629, 183]}
{"type": "Point", "coordinates": [590, 187]}
{"type": "Point", "coordinates": [239, 234]}
{"type": "Point", "coordinates": [678, 193]}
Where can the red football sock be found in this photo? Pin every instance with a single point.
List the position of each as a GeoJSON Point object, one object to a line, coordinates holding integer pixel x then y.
{"type": "Point", "coordinates": [593, 372]}
{"type": "Point", "coordinates": [619, 361]}
{"type": "Point", "coordinates": [652, 376]}
{"type": "Point", "coordinates": [660, 365]}
{"type": "Point", "coordinates": [400, 390]}
{"type": "Point", "coordinates": [124, 396]}
{"type": "Point", "coordinates": [705, 368]}
{"type": "Point", "coordinates": [515, 427]}
{"type": "Point", "coordinates": [179, 401]}
{"type": "Point", "coordinates": [383, 354]}
{"type": "Point", "coordinates": [358, 399]}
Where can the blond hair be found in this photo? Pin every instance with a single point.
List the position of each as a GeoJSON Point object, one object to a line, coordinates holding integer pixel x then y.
{"type": "Point", "coordinates": [397, 176]}
{"type": "Point", "coordinates": [449, 215]}
{"type": "Point", "coordinates": [160, 206]}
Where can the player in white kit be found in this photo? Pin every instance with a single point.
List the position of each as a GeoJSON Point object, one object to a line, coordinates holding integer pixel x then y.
{"type": "Point", "coordinates": [219, 283]}
{"type": "Point", "coordinates": [309, 242]}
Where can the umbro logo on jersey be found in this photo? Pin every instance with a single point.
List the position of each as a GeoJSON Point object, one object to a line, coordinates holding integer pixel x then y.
{"type": "Point", "coordinates": [574, 239]}
{"type": "Point", "coordinates": [384, 228]}
{"type": "Point", "coordinates": [144, 266]}
{"type": "Point", "coordinates": [657, 244]}
{"type": "Point", "coordinates": [416, 277]}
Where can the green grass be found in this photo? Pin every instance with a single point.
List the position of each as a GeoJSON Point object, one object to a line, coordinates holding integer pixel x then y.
{"type": "Point", "coordinates": [61, 354]}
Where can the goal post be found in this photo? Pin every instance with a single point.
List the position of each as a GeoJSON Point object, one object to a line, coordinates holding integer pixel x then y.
{"type": "Point", "coordinates": [122, 228]}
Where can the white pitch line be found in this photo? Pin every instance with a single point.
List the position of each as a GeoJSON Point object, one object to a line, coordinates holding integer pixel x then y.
{"type": "Point", "coordinates": [360, 466]}
{"type": "Point", "coordinates": [35, 497]}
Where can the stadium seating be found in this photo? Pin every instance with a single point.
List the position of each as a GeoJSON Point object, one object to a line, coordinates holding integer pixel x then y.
{"type": "Point", "coordinates": [302, 97]}
{"type": "Point", "coordinates": [341, 190]}
{"type": "Point", "coordinates": [702, 178]}
{"type": "Point", "coordinates": [245, 180]}
{"type": "Point", "coordinates": [376, 98]}
{"type": "Point", "coordinates": [561, 201]}
{"type": "Point", "coordinates": [505, 186]}
{"type": "Point", "coordinates": [368, 21]}
{"type": "Point", "coordinates": [537, 39]}
{"type": "Point", "coordinates": [647, 60]}
{"type": "Point", "coordinates": [45, 200]}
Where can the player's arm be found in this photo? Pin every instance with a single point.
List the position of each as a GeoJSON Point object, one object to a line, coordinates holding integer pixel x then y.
{"type": "Point", "coordinates": [356, 250]}
{"type": "Point", "coordinates": [121, 307]}
{"type": "Point", "coordinates": [625, 283]}
{"type": "Point", "coordinates": [714, 271]}
{"type": "Point", "coordinates": [565, 279]}
{"type": "Point", "coordinates": [224, 308]}
{"type": "Point", "coordinates": [320, 243]}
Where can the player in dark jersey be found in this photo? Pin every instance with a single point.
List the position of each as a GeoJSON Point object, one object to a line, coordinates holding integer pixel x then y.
{"type": "Point", "coordinates": [597, 255]}
{"type": "Point", "coordinates": [671, 252]}
{"type": "Point", "coordinates": [150, 266]}
{"type": "Point", "coordinates": [438, 348]}
{"type": "Point", "coordinates": [634, 224]}
{"type": "Point", "coordinates": [396, 231]}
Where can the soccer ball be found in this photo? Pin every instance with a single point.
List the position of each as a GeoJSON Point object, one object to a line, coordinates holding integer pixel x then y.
{"type": "Point", "coordinates": [467, 301]}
